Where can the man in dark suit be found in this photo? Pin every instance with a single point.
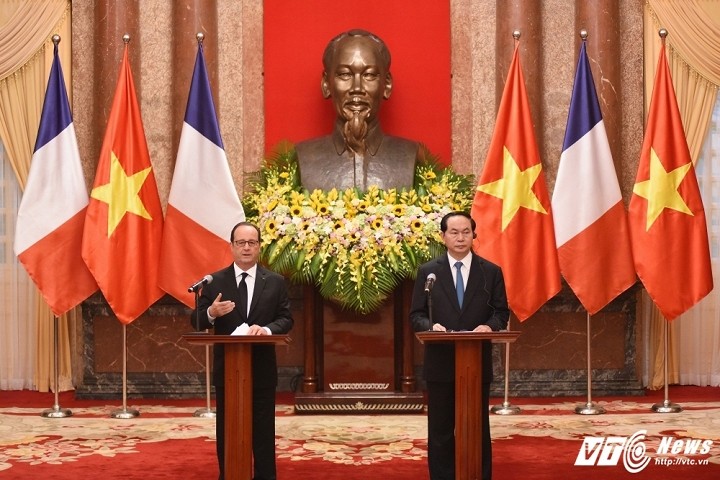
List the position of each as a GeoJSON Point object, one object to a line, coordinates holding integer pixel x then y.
{"type": "Point", "coordinates": [245, 292]}
{"type": "Point", "coordinates": [468, 294]}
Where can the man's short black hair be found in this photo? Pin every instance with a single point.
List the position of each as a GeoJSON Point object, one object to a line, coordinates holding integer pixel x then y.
{"type": "Point", "coordinates": [443, 222]}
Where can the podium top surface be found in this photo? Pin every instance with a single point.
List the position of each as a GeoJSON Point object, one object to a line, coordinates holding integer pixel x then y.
{"type": "Point", "coordinates": [504, 336]}
{"type": "Point", "coordinates": [202, 338]}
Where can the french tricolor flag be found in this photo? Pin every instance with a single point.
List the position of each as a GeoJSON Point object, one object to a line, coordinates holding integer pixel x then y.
{"type": "Point", "coordinates": [203, 205]}
{"type": "Point", "coordinates": [591, 229]}
{"type": "Point", "coordinates": [49, 229]}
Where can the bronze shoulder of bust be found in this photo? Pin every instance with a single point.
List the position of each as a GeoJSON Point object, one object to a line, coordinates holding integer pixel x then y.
{"type": "Point", "coordinates": [392, 166]}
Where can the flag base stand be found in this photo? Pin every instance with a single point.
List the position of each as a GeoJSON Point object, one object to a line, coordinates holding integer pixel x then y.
{"type": "Point", "coordinates": [56, 412]}
{"type": "Point", "coordinates": [589, 409]}
{"type": "Point", "coordinates": [505, 409]}
{"type": "Point", "coordinates": [205, 413]}
{"type": "Point", "coordinates": [125, 413]}
{"type": "Point", "coordinates": [666, 407]}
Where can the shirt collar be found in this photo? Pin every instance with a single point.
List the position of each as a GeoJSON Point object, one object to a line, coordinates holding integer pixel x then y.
{"type": "Point", "coordinates": [252, 271]}
{"type": "Point", "coordinates": [465, 261]}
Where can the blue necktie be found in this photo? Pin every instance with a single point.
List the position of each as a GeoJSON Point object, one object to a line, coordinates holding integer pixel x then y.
{"type": "Point", "coordinates": [459, 284]}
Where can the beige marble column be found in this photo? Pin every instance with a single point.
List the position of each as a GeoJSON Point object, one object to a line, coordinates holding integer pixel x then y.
{"type": "Point", "coordinates": [191, 17]}
{"type": "Point", "coordinates": [112, 20]}
{"type": "Point", "coordinates": [525, 16]}
{"type": "Point", "coordinates": [603, 44]}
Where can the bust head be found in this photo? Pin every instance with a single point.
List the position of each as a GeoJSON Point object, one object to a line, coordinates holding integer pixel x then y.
{"type": "Point", "coordinates": [357, 77]}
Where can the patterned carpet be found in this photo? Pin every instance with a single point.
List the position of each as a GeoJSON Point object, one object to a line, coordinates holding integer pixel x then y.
{"type": "Point", "coordinates": [28, 439]}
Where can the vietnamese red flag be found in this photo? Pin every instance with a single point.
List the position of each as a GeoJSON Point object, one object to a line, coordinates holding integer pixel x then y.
{"type": "Point", "coordinates": [667, 218]}
{"type": "Point", "coordinates": [591, 228]}
{"type": "Point", "coordinates": [49, 229]}
{"type": "Point", "coordinates": [512, 206]}
{"type": "Point", "coordinates": [123, 228]}
{"type": "Point", "coordinates": [203, 205]}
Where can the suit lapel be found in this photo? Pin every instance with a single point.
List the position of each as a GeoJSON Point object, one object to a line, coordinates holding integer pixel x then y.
{"type": "Point", "coordinates": [475, 279]}
{"type": "Point", "coordinates": [447, 284]}
{"type": "Point", "coordinates": [260, 276]}
{"type": "Point", "coordinates": [230, 285]}
{"type": "Point", "coordinates": [229, 288]}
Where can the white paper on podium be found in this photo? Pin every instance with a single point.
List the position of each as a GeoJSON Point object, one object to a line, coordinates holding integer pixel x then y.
{"type": "Point", "coordinates": [241, 330]}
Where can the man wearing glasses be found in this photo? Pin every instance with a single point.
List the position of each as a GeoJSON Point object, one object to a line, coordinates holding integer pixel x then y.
{"type": "Point", "coordinates": [245, 292]}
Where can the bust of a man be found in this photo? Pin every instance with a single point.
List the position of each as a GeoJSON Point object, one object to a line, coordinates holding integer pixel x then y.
{"type": "Point", "coordinates": [357, 153]}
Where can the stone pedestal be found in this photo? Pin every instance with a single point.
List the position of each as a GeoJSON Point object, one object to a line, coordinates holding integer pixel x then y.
{"type": "Point", "coordinates": [358, 363]}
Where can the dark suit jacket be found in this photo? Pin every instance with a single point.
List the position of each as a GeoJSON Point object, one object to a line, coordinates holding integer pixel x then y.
{"type": "Point", "coordinates": [485, 302]}
{"type": "Point", "coordinates": [269, 307]}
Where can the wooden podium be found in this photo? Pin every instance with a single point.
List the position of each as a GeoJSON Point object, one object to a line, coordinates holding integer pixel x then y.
{"type": "Point", "coordinates": [468, 394]}
{"type": "Point", "coordinates": [238, 395]}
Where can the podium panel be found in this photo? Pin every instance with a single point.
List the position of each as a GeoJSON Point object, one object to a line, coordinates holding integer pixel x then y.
{"type": "Point", "coordinates": [468, 394]}
{"type": "Point", "coordinates": [238, 395]}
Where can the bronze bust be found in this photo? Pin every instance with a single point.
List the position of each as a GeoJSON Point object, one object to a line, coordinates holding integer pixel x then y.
{"type": "Point", "coordinates": [357, 153]}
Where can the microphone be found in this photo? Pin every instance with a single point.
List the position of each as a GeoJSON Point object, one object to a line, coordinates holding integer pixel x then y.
{"type": "Point", "coordinates": [198, 285]}
{"type": "Point", "coordinates": [429, 282]}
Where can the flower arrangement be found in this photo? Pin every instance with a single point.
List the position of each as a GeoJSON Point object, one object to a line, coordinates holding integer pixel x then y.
{"type": "Point", "coordinates": [355, 246]}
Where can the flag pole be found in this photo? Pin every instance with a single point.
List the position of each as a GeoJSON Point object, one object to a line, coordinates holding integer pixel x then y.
{"type": "Point", "coordinates": [124, 413]}
{"type": "Point", "coordinates": [666, 406]}
{"type": "Point", "coordinates": [589, 408]}
{"type": "Point", "coordinates": [506, 408]}
{"type": "Point", "coordinates": [56, 411]}
{"type": "Point", "coordinates": [206, 412]}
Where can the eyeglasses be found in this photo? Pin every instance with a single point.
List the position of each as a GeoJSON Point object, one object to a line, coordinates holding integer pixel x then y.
{"type": "Point", "coordinates": [249, 243]}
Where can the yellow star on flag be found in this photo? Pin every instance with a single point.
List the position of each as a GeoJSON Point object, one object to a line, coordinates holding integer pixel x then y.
{"type": "Point", "coordinates": [121, 194]}
{"type": "Point", "coordinates": [660, 189]}
{"type": "Point", "coordinates": [514, 188]}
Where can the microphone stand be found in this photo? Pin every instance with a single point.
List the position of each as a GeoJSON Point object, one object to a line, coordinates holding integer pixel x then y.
{"type": "Point", "coordinates": [206, 412]}
{"type": "Point", "coordinates": [429, 302]}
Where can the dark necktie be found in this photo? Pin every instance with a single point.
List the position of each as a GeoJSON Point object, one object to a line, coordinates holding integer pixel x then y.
{"type": "Point", "coordinates": [459, 284]}
{"type": "Point", "coordinates": [242, 287]}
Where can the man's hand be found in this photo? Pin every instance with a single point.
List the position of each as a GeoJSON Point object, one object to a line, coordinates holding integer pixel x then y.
{"type": "Point", "coordinates": [220, 307]}
{"type": "Point", "coordinates": [438, 328]}
{"type": "Point", "coordinates": [482, 328]}
{"type": "Point", "coordinates": [257, 330]}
